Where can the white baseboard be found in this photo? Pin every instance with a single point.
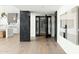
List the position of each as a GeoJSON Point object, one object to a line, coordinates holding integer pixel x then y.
{"type": "Point", "coordinates": [33, 38]}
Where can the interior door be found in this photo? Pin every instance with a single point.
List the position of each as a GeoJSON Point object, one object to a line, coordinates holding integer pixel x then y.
{"type": "Point", "coordinates": [42, 26]}
{"type": "Point", "coordinates": [48, 26]}
{"type": "Point", "coordinates": [56, 26]}
{"type": "Point", "coordinates": [37, 26]}
{"type": "Point", "coordinates": [24, 26]}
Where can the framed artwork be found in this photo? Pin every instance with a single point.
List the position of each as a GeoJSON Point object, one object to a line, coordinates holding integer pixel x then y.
{"type": "Point", "coordinates": [12, 17]}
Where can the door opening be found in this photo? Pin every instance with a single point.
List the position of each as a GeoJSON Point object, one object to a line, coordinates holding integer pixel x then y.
{"type": "Point", "coordinates": [43, 26]}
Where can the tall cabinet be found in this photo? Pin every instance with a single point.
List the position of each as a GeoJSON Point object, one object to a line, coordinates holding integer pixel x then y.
{"type": "Point", "coordinates": [24, 26]}
{"type": "Point", "coordinates": [69, 25]}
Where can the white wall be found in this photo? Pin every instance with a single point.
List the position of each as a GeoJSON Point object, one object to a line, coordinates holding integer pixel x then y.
{"type": "Point", "coordinates": [8, 9]}
{"type": "Point", "coordinates": [68, 46]}
{"type": "Point", "coordinates": [53, 26]}
{"type": "Point", "coordinates": [32, 25]}
{"type": "Point", "coordinates": [11, 9]}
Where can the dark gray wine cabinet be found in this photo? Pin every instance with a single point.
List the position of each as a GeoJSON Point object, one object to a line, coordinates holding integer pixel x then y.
{"type": "Point", "coordinates": [24, 26]}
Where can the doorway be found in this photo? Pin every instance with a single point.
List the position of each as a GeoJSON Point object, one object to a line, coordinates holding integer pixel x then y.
{"type": "Point", "coordinates": [43, 26]}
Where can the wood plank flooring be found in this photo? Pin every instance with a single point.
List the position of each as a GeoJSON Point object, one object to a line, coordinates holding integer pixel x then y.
{"type": "Point", "coordinates": [40, 45]}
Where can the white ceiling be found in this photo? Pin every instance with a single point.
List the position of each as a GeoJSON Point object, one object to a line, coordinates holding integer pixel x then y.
{"type": "Point", "coordinates": [47, 9]}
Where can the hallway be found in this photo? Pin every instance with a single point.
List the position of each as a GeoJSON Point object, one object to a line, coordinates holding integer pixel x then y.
{"type": "Point", "coordinates": [38, 46]}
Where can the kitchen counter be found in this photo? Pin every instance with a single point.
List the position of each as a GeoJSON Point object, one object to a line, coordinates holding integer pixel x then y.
{"type": "Point", "coordinates": [8, 29]}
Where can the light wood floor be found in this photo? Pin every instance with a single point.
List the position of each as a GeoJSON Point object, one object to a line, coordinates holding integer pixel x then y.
{"type": "Point", "coordinates": [40, 45]}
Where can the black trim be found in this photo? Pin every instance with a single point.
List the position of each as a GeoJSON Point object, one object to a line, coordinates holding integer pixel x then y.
{"type": "Point", "coordinates": [56, 26]}
{"type": "Point", "coordinates": [47, 35]}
